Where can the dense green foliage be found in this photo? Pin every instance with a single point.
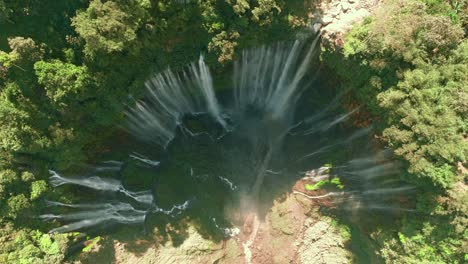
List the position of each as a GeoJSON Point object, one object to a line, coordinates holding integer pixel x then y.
{"type": "Point", "coordinates": [409, 68]}
{"type": "Point", "coordinates": [29, 246]}
{"type": "Point", "coordinates": [20, 200]}
{"type": "Point", "coordinates": [408, 65]}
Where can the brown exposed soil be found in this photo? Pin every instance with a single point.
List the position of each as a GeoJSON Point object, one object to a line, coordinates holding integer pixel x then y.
{"type": "Point", "coordinates": [293, 231]}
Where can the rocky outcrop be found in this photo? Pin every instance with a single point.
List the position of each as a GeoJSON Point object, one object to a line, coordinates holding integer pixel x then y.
{"type": "Point", "coordinates": [194, 250]}
{"type": "Point", "coordinates": [293, 231]}
{"type": "Point", "coordinates": [322, 243]}
{"type": "Point", "coordinates": [334, 18]}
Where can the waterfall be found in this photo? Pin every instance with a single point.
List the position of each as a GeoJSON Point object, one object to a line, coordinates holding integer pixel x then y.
{"type": "Point", "coordinates": [100, 184]}
{"type": "Point", "coordinates": [94, 182]}
{"type": "Point", "coordinates": [205, 83]}
{"type": "Point", "coordinates": [272, 78]}
{"type": "Point", "coordinates": [144, 160]}
{"type": "Point", "coordinates": [259, 120]}
{"type": "Point", "coordinates": [110, 165]}
{"type": "Point", "coordinates": [92, 214]}
{"type": "Point", "coordinates": [269, 78]}
{"type": "Point", "coordinates": [170, 97]}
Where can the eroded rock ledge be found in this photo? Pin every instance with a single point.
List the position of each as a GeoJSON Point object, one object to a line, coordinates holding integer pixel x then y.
{"type": "Point", "coordinates": [293, 231]}
{"type": "Point", "coordinates": [334, 18]}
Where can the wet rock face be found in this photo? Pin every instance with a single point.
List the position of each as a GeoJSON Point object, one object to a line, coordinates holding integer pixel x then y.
{"type": "Point", "coordinates": [338, 16]}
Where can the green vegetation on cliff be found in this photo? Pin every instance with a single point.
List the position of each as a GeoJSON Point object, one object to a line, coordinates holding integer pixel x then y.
{"type": "Point", "coordinates": [408, 66]}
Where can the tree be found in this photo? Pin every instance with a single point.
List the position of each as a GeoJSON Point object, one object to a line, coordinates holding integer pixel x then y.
{"type": "Point", "coordinates": [18, 64]}
{"type": "Point", "coordinates": [16, 118]}
{"type": "Point", "coordinates": [66, 84]}
{"type": "Point", "coordinates": [31, 246]}
{"type": "Point", "coordinates": [38, 188]}
{"type": "Point", "coordinates": [406, 69]}
{"type": "Point", "coordinates": [408, 66]}
{"type": "Point", "coordinates": [110, 26]}
{"type": "Point", "coordinates": [426, 119]}
{"type": "Point", "coordinates": [238, 23]}
{"type": "Point", "coordinates": [264, 12]}
{"type": "Point", "coordinates": [224, 44]}
{"type": "Point", "coordinates": [16, 205]}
